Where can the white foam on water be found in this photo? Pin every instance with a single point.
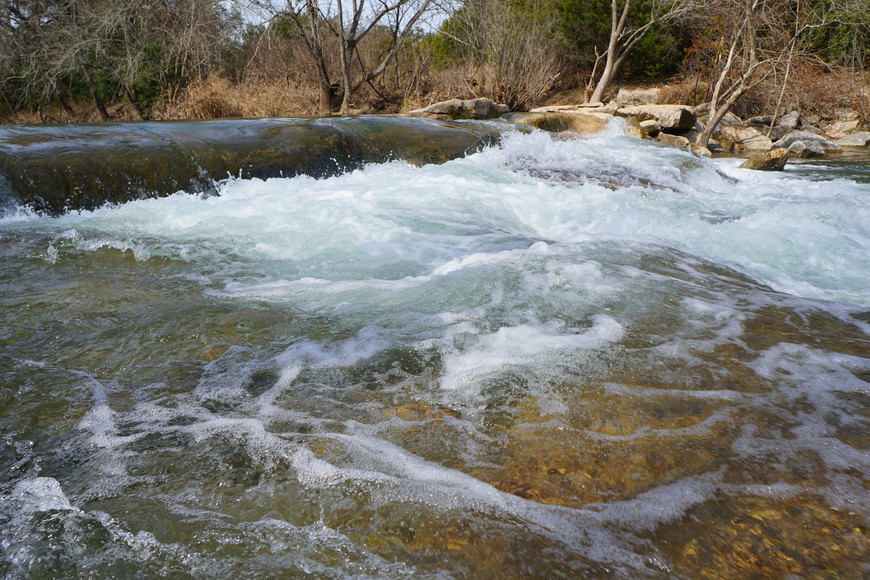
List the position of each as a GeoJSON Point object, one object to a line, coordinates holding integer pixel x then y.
{"type": "Point", "coordinates": [524, 345]}
{"type": "Point", "coordinates": [804, 237]}
{"type": "Point", "coordinates": [520, 261]}
{"type": "Point", "coordinates": [39, 494]}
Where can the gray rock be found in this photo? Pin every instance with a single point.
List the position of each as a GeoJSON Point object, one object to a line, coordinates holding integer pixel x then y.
{"type": "Point", "coordinates": [790, 120]}
{"type": "Point", "coordinates": [808, 139]}
{"type": "Point", "coordinates": [805, 150]}
{"type": "Point", "coordinates": [857, 139]}
{"type": "Point", "coordinates": [670, 117]}
{"type": "Point", "coordinates": [847, 114]}
{"type": "Point", "coordinates": [463, 109]}
{"type": "Point", "coordinates": [650, 127]}
{"type": "Point", "coordinates": [638, 96]}
{"type": "Point", "coordinates": [776, 133]}
{"type": "Point", "coordinates": [773, 160]}
{"type": "Point", "coordinates": [841, 128]}
{"type": "Point", "coordinates": [674, 141]}
{"type": "Point", "coordinates": [728, 119]}
{"type": "Point", "coordinates": [744, 138]}
{"type": "Point", "coordinates": [760, 120]}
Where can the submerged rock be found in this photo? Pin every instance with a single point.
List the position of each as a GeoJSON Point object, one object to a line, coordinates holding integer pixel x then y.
{"type": "Point", "coordinates": [757, 536]}
{"type": "Point", "coordinates": [70, 167]}
{"type": "Point", "coordinates": [462, 109]}
{"type": "Point", "coordinates": [576, 122]}
{"type": "Point", "coordinates": [773, 160]}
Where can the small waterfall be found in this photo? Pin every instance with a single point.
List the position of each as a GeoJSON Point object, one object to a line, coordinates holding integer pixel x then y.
{"type": "Point", "coordinates": [55, 168]}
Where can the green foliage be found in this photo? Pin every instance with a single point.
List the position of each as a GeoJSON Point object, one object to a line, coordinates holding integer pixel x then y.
{"type": "Point", "coordinates": [584, 25]}
{"type": "Point", "coordinates": [443, 47]}
{"type": "Point", "coordinates": [657, 54]}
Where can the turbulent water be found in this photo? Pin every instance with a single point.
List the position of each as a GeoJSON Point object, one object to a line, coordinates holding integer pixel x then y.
{"type": "Point", "coordinates": [553, 358]}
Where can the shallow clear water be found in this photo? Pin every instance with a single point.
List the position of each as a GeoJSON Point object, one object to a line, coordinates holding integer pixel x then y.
{"type": "Point", "coordinates": [554, 358]}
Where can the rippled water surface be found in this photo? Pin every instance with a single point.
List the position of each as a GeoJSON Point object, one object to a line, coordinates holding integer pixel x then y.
{"type": "Point", "coordinates": [555, 358]}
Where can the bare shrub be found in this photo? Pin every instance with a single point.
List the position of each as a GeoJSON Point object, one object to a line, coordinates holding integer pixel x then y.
{"type": "Point", "coordinates": [510, 55]}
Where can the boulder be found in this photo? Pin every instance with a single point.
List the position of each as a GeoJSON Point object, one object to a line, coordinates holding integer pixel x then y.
{"type": "Point", "coordinates": [650, 128]}
{"type": "Point", "coordinates": [558, 122]}
{"type": "Point", "coordinates": [763, 125]}
{"type": "Point", "coordinates": [674, 141]}
{"type": "Point", "coordinates": [805, 150]}
{"type": "Point", "coordinates": [731, 119]}
{"type": "Point", "coordinates": [763, 120]}
{"type": "Point", "coordinates": [714, 146]}
{"type": "Point", "coordinates": [638, 96]}
{"type": "Point", "coordinates": [790, 120]}
{"type": "Point", "coordinates": [702, 151]}
{"type": "Point", "coordinates": [811, 141]}
{"type": "Point", "coordinates": [841, 128]}
{"type": "Point", "coordinates": [777, 133]}
{"type": "Point", "coordinates": [632, 128]}
{"type": "Point", "coordinates": [773, 160]}
{"type": "Point", "coordinates": [462, 109]}
{"type": "Point", "coordinates": [858, 139]}
{"type": "Point", "coordinates": [745, 138]}
{"type": "Point", "coordinates": [670, 117]}
{"type": "Point", "coordinates": [728, 119]}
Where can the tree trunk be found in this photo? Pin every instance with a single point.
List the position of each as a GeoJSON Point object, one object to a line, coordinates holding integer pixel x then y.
{"type": "Point", "coordinates": [717, 114]}
{"type": "Point", "coordinates": [345, 81]}
{"type": "Point", "coordinates": [616, 28]}
{"type": "Point", "coordinates": [604, 81]}
{"type": "Point", "coordinates": [98, 100]}
{"type": "Point", "coordinates": [135, 102]}
{"type": "Point", "coordinates": [331, 98]}
{"type": "Point", "coordinates": [64, 102]}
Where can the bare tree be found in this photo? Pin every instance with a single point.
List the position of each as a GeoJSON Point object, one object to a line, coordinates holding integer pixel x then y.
{"type": "Point", "coordinates": [763, 38]}
{"type": "Point", "coordinates": [626, 31]}
{"type": "Point", "coordinates": [51, 45]}
{"type": "Point", "coordinates": [344, 25]}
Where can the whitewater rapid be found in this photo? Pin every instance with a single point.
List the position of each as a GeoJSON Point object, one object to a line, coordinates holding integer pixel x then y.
{"type": "Point", "coordinates": [552, 357]}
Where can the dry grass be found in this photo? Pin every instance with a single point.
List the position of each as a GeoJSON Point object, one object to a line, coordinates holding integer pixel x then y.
{"type": "Point", "coordinates": [217, 98]}
{"type": "Point", "coordinates": [812, 90]}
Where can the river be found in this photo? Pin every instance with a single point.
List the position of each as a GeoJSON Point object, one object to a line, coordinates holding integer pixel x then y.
{"type": "Point", "coordinates": [553, 358]}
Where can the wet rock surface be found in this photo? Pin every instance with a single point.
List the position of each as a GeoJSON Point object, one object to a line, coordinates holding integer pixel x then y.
{"type": "Point", "coordinates": [72, 167]}
{"type": "Point", "coordinates": [774, 160]}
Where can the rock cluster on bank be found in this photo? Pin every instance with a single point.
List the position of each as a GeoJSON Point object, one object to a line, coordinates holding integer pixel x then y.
{"type": "Point", "coordinates": [462, 109]}
{"type": "Point", "coordinates": [679, 126]}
